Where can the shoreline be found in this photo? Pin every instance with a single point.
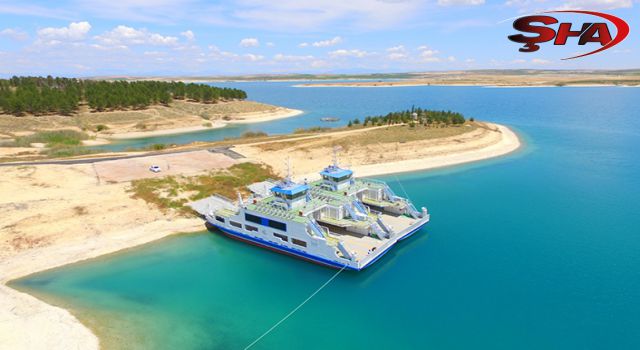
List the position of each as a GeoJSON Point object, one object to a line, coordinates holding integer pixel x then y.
{"type": "Point", "coordinates": [509, 143]}
{"type": "Point", "coordinates": [392, 85]}
{"type": "Point", "coordinates": [257, 117]}
{"type": "Point", "coordinates": [56, 328]}
{"type": "Point", "coordinates": [23, 315]}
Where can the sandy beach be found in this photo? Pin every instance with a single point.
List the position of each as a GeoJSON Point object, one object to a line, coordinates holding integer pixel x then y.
{"type": "Point", "coordinates": [243, 118]}
{"type": "Point", "coordinates": [162, 132]}
{"type": "Point", "coordinates": [308, 153]}
{"type": "Point", "coordinates": [83, 230]}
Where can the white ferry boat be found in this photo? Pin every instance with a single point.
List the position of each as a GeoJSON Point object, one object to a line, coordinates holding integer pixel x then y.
{"type": "Point", "coordinates": [338, 221]}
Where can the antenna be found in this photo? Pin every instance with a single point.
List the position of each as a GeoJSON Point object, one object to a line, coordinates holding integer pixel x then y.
{"type": "Point", "coordinates": [288, 167]}
{"type": "Point", "coordinates": [240, 201]}
{"type": "Point", "coordinates": [335, 155]}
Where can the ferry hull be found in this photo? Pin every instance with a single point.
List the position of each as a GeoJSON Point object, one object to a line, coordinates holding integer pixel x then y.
{"type": "Point", "coordinates": [305, 256]}
{"type": "Point", "coordinates": [282, 250]}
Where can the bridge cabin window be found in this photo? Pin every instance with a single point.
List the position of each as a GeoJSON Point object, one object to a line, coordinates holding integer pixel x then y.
{"type": "Point", "coordinates": [266, 222]}
{"type": "Point", "coordinates": [278, 225]}
{"type": "Point", "coordinates": [291, 196]}
{"type": "Point", "coordinates": [336, 179]}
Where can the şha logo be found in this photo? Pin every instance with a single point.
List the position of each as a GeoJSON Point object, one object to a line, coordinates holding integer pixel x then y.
{"type": "Point", "coordinates": [589, 32]}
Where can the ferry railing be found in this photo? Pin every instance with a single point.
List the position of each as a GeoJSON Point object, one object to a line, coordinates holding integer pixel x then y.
{"type": "Point", "coordinates": [316, 228]}
{"type": "Point", "coordinates": [378, 230]}
{"type": "Point", "coordinates": [354, 213]}
{"type": "Point", "coordinates": [413, 211]}
{"type": "Point", "coordinates": [384, 226]}
{"type": "Point", "coordinates": [360, 207]}
{"type": "Point", "coordinates": [344, 250]}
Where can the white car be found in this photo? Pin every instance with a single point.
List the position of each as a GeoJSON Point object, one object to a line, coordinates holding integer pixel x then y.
{"type": "Point", "coordinates": [155, 168]}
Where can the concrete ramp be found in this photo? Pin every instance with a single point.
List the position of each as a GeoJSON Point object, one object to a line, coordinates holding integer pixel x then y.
{"type": "Point", "coordinates": [184, 163]}
{"type": "Point", "coordinates": [209, 205]}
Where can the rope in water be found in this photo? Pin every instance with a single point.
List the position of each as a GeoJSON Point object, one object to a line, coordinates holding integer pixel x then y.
{"type": "Point", "coordinates": [295, 309]}
{"type": "Point", "coordinates": [316, 291]}
{"type": "Point", "coordinates": [406, 195]}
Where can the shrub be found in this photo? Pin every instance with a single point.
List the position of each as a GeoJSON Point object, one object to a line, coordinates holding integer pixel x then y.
{"type": "Point", "coordinates": [251, 134]}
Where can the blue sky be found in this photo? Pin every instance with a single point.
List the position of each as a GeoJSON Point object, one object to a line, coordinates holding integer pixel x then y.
{"type": "Point", "coordinates": [193, 37]}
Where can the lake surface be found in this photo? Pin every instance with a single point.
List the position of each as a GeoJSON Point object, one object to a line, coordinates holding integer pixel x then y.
{"type": "Point", "coordinates": [536, 250]}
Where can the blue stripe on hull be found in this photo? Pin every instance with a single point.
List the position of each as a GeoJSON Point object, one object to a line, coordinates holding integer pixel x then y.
{"type": "Point", "coordinates": [412, 232]}
{"type": "Point", "coordinates": [389, 247]}
{"type": "Point", "coordinates": [303, 255]}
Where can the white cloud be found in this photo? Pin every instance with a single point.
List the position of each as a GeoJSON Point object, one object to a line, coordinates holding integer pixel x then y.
{"type": "Point", "coordinates": [216, 53]}
{"type": "Point", "coordinates": [270, 44]}
{"type": "Point", "coordinates": [76, 31]}
{"type": "Point", "coordinates": [123, 35]}
{"type": "Point", "coordinates": [290, 15]}
{"type": "Point", "coordinates": [323, 43]}
{"type": "Point", "coordinates": [331, 42]}
{"type": "Point", "coordinates": [540, 61]}
{"type": "Point", "coordinates": [399, 48]}
{"type": "Point", "coordinates": [398, 52]}
{"type": "Point", "coordinates": [292, 58]}
{"type": "Point", "coordinates": [397, 56]}
{"type": "Point", "coordinates": [14, 34]}
{"type": "Point", "coordinates": [460, 2]}
{"type": "Point", "coordinates": [429, 55]}
{"type": "Point", "coordinates": [249, 42]}
{"type": "Point", "coordinates": [253, 58]}
{"type": "Point", "coordinates": [188, 35]}
{"type": "Point", "coordinates": [157, 39]}
{"type": "Point", "coordinates": [320, 64]}
{"type": "Point", "coordinates": [348, 53]}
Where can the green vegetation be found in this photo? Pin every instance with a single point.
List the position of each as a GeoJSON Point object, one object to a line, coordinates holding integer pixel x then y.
{"type": "Point", "coordinates": [58, 138]}
{"type": "Point", "coordinates": [312, 129]}
{"type": "Point", "coordinates": [65, 151]}
{"type": "Point", "coordinates": [415, 116]}
{"type": "Point", "coordinates": [59, 143]}
{"type": "Point", "coordinates": [253, 134]}
{"type": "Point", "coordinates": [45, 96]}
{"type": "Point", "coordinates": [173, 192]}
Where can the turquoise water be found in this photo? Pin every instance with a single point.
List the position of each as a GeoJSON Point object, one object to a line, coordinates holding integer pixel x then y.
{"type": "Point", "coordinates": [537, 250]}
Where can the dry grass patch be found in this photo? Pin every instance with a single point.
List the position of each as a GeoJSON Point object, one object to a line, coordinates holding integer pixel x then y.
{"type": "Point", "coordinates": [391, 134]}
{"type": "Point", "coordinates": [177, 114]}
{"type": "Point", "coordinates": [173, 192]}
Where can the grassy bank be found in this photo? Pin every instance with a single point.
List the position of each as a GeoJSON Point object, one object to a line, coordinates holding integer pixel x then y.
{"type": "Point", "coordinates": [399, 133]}
{"type": "Point", "coordinates": [57, 138]}
{"type": "Point", "coordinates": [173, 192]}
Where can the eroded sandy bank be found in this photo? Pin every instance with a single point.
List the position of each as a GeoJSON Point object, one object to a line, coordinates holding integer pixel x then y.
{"type": "Point", "coordinates": [244, 118]}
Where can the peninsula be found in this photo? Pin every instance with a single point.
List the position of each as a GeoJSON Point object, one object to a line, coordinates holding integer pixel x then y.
{"type": "Point", "coordinates": [48, 117]}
